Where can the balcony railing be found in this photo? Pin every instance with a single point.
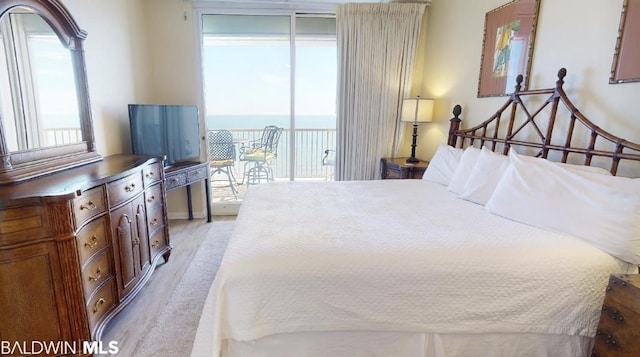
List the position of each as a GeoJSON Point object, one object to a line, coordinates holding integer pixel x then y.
{"type": "Point", "coordinates": [310, 145]}
{"type": "Point", "coordinates": [60, 136]}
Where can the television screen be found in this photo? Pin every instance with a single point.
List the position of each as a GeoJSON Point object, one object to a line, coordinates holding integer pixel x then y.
{"type": "Point", "coordinates": [172, 131]}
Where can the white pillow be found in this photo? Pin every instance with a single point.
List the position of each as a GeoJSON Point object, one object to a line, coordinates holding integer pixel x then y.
{"type": "Point", "coordinates": [600, 209]}
{"type": "Point", "coordinates": [580, 168]}
{"type": "Point", "coordinates": [443, 164]}
{"type": "Point", "coordinates": [484, 176]}
{"type": "Point", "coordinates": [460, 176]}
{"type": "Point", "coordinates": [586, 169]}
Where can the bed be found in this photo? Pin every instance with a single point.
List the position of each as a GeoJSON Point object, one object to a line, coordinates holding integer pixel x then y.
{"type": "Point", "coordinates": [425, 268]}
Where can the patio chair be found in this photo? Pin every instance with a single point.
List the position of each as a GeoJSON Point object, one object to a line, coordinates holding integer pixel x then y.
{"type": "Point", "coordinates": [259, 154]}
{"type": "Point", "coordinates": [329, 160]}
{"type": "Point", "coordinates": [222, 156]}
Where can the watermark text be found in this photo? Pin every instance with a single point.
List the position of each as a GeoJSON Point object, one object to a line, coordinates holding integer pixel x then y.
{"type": "Point", "coordinates": [48, 348]}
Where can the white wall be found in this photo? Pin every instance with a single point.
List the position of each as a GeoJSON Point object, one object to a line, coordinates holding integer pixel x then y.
{"type": "Point", "coordinates": [126, 64]}
{"type": "Point", "coordinates": [579, 35]}
{"type": "Point", "coordinates": [116, 57]}
{"type": "Point", "coordinates": [173, 47]}
{"type": "Point", "coordinates": [174, 76]}
{"type": "Point", "coordinates": [143, 51]}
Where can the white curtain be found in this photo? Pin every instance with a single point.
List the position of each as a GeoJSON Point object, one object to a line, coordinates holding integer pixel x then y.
{"type": "Point", "coordinates": [376, 50]}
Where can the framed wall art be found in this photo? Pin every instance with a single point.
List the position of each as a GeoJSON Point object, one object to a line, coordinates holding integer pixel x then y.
{"type": "Point", "coordinates": [626, 58]}
{"type": "Point", "coordinates": [507, 47]}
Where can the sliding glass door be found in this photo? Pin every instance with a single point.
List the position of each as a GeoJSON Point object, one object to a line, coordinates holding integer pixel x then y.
{"type": "Point", "coordinates": [257, 75]}
{"type": "Point", "coordinates": [315, 82]}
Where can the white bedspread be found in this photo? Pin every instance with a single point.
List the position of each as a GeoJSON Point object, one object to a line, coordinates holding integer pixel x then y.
{"type": "Point", "coordinates": [396, 255]}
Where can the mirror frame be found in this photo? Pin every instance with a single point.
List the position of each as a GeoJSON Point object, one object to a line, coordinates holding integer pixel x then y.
{"type": "Point", "coordinates": [22, 165]}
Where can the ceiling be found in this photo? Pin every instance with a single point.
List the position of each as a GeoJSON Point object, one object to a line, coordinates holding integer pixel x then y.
{"type": "Point", "coordinates": [309, 5]}
{"type": "Point", "coordinates": [310, 1]}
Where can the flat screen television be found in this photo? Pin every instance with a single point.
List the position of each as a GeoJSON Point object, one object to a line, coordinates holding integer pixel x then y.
{"type": "Point", "coordinates": [172, 131]}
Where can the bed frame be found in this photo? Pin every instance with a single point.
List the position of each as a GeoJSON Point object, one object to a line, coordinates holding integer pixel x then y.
{"type": "Point", "coordinates": [526, 109]}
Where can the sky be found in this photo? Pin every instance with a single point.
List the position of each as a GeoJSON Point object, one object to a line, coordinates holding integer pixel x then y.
{"type": "Point", "coordinates": [254, 79]}
{"type": "Point", "coordinates": [56, 88]}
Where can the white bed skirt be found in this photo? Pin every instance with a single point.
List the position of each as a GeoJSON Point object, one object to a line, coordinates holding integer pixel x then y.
{"type": "Point", "coordinates": [399, 344]}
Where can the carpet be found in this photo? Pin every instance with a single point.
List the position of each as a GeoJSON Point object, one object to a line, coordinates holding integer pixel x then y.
{"type": "Point", "coordinates": [175, 328]}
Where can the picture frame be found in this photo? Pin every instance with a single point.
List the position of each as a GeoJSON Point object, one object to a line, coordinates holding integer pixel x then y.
{"type": "Point", "coordinates": [626, 57]}
{"type": "Point", "coordinates": [507, 47]}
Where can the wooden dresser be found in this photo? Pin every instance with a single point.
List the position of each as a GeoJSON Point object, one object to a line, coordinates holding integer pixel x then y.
{"type": "Point", "coordinates": [618, 333]}
{"type": "Point", "coordinates": [76, 246]}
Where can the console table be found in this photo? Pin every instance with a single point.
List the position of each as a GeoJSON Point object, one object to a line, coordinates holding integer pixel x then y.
{"type": "Point", "coordinates": [183, 175]}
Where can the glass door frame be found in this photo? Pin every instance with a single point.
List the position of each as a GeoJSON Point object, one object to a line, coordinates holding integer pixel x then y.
{"type": "Point", "coordinates": [201, 8]}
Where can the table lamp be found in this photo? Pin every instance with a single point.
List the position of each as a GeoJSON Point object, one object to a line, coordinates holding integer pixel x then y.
{"type": "Point", "coordinates": [416, 110]}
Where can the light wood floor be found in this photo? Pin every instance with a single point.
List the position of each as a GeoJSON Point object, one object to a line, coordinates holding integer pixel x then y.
{"type": "Point", "coordinates": [132, 323]}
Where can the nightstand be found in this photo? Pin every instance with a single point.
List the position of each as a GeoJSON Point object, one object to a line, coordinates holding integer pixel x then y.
{"type": "Point", "coordinates": [398, 168]}
{"type": "Point", "coordinates": [618, 331]}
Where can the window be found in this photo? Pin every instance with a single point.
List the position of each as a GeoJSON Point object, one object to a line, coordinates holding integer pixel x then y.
{"type": "Point", "coordinates": [256, 74]}
{"type": "Point", "coordinates": [38, 98]}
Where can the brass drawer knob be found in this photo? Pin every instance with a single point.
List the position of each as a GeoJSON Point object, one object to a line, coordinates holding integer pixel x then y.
{"type": "Point", "coordinates": [89, 206]}
{"type": "Point", "coordinates": [130, 188]}
{"type": "Point", "coordinates": [97, 305]}
{"type": "Point", "coordinates": [97, 275]}
{"type": "Point", "coordinates": [92, 243]}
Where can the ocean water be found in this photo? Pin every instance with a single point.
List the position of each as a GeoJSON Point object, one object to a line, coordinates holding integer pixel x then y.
{"type": "Point", "coordinates": [225, 121]}
{"type": "Point", "coordinates": [260, 121]}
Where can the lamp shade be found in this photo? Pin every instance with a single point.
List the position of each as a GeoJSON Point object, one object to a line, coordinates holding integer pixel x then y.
{"type": "Point", "coordinates": [418, 110]}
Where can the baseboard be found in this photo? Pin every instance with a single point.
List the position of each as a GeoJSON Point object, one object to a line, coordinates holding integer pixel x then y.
{"type": "Point", "coordinates": [225, 209]}
{"type": "Point", "coordinates": [185, 215]}
{"type": "Point", "coordinates": [217, 209]}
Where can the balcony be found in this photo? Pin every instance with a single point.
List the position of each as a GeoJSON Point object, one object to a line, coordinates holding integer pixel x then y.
{"type": "Point", "coordinates": [310, 146]}
{"type": "Point", "coordinates": [61, 136]}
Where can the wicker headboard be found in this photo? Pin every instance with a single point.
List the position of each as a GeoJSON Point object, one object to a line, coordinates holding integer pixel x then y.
{"type": "Point", "coordinates": [527, 109]}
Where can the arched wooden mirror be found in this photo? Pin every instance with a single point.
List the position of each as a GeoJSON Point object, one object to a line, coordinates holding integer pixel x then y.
{"type": "Point", "coordinates": [45, 116]}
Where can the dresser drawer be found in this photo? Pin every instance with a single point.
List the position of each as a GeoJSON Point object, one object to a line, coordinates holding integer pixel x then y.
{"type": "Point", "coordinates": [176, 180]}
{"type": "Point", "coordinates": [417, 172]}
{"type": "Point", "coordinates": [97, 270]}
{"type": "Point", "coordinates": [624, 290]}
{"type": "Point", "coordinates": [124, 189]}
{"type": "Point", "coordinates": [153, 196]}
{"type": "Point", "coordinates": [101, 303]}
{"type": "Point", "coordinates": [152, 174]}
{"type": "Point", "coordinates": [617, 332]}
{"type": "Point", "coordinates": [91, 238]}
{"type": "Point", "coordinates": [155, 218]}
{"type": "Point", "coordinates": [157, 242]}
{"type": "Point", "coordinates": [395, 173]}
{"type": "Point", "coordinates": [89, 204]}
{"type": "Point", "coordinates": [197, 174]}
{"type": "Point", "coordinates": [399, 168]}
